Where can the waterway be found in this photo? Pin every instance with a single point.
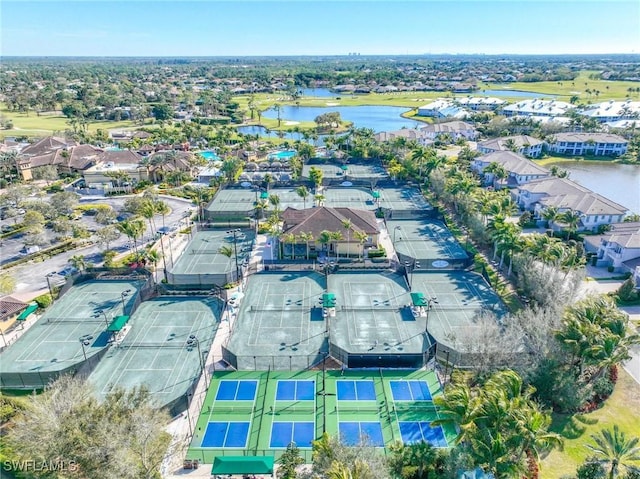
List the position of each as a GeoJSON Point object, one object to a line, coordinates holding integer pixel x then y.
{"type": "Point", "coordinates": [618, 182]}
{"type": "Point", "coordinates": [378, 118]}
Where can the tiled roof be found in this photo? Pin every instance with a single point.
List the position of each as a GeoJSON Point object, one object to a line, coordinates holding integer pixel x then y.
{"type": "Point", "coordinates": [119, 156]}
{"type": "Point", "coordinates": [47, 145]}
{"type": "Point", "coordinates": [317, 220]}
{"type": "Point", "coordinates": [585, 137]}
{"type": "Point", "coordinates": [500, 144]}
{"type": "Point", "coordinates": [513, 163]}
{"type": "Point", "coordinates": [10, 306]}
{"type": "Point", "coordinates": [82, 156]}
{"type": "Point", "coordinates": [449, 127]}
{"type": "Point", "coordinates": [565, 194]}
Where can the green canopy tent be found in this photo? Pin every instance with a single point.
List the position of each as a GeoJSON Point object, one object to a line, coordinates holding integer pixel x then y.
{"type": "Point", "coordinates": [419, 299]}
{"type": "Point", "coordinates": [264, 195]}
{"type": "Point", "coordinates": [242, 465]}
{"type": "Point", "coordinates": [328, 300]}
{"type": "Point", "coordinates": [376, 195]}
{"type": "Point", "coordinates": [117, 324]}
{"type": "Point", "coordinates": [27, 312]}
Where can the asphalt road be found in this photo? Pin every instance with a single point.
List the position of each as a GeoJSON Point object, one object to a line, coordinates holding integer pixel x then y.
{"type": "Point", "coordinates": [32, 277]}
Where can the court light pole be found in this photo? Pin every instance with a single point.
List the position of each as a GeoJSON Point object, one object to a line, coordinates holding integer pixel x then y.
{"type": "Point", "coordinates": [410, 266]}
{"type": "Point", "coordinates": [123, 295]}
{"type": "Point", "coordinates": [394, 232]}
{"type": "Point", "coordinates": [101, 312]}
{"type": "Point", "coordinates": [430, 303]}
{"type": "Point", "coordinates": [191, 341]}
{"type": "Point", "coordinates": [235, 232]}
{"type": "Point", "coordinates": [48, 278]}
{"type": "Point", "coordinates": [84, 342]}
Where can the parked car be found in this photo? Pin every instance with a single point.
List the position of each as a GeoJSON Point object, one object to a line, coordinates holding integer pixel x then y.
{"type": "Point", "coordinates": [67, 271]}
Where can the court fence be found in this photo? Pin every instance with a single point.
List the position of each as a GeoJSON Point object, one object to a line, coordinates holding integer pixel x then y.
{"type": "Point", "coordinates": [284, 362]}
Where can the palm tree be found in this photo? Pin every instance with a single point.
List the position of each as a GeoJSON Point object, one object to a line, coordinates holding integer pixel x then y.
{"type": "Point", "coordinates": [153, 256]}
{"type": "Point", "coordinates": [324, 239]}
{"type": "Point", "coordinates": [336, 236]}
{"type": "Point", "coordinates": [613, 448]}
{"type": "Point", "coordinates": [550, 214]}
{"type": "Point", "coordinates": [290, 239]}
{"type": "Point", "coordinates": [346, 224]}
{"type": "Point", "coordinates": [133, 228]}
{"type": "Point", "coordinates": [226, 250]}
{"type": "Point", "coordinates": [303, 192]}
{"type": "Point", "coordinates": [571, 219]}
{"type": "Point", "coordinates": [306, 237]}
{"type": "Point", "coordinates": [7, 283]}
{"type": "Point", "coordinates": [498, 171]}
{"type": "Point", "coordinates": [161, 208]}
{"type": "Point", "coordinates": [79, 262]}
{"type": "Point", "coordinates": [319, 199]}
{"type": "Point", "coordinates": [362, 237]}
{"type": "Point", "coordinates": [274, 200]}
{"type": "Point", "coordinates": [148, 210]}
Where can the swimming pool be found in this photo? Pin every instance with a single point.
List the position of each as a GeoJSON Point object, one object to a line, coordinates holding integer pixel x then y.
{"type": "Point", "coordinates": [209, 155]}
{"type": "Point", "coordinates": [279, 155]}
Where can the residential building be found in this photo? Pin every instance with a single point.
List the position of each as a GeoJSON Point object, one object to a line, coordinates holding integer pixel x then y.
{"type": "Point", "coordinates": [442, 109]}
{"type": "Point", "coordinates": [114, 175]}
{"type": "Point", "coordinates": [455, 129]}
{"type": "Point", "coordinates": [537, 107]}
{"type": "Point", "coordinates": [618, 248]}
{"type": "Point", "coordinates": [597, 144]}
{"type": "Point", "coordinates": [407, 133]}
{"type": "Point", "coordinates": [11, 307]}
{"type": "Point", "coordinates": [524, 144]}
{"type": "Point", "coordinates": [521, 170]}
{"type": "Point", "coordinates": [564, 195]}
{"type": "Point", "coordinates": [610, 111]}
{"type": "Point", "coordinates": [314, 221]}
{"type": "Point", "coordinates": [480, 103]}
{"type": "Point", "coordinates": [47, 145]}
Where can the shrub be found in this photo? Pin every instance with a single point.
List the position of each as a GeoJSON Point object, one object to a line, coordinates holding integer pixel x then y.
{"type": "Point", "coordinates": [377, 253]}
{"type": "Point", "coordinates": [44, 300]}
{"type": "Point", "coordinates": [627, 291]}
{"type": "Point", "coordinates": [603, 387]}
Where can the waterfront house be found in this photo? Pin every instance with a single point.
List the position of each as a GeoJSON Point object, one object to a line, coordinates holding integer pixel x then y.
{"type": "Point", "coordinates": [442, 109]}
{"type": "Point", "coordinates": [455, 129]}
{"type": "Point", "coordinates": [480, 103]}
{"type": "Point", "coordinates": [524, 144]}
{"type": "Point", "coordinates": [618, 248]}
{"type": "Point", "coordinates": [564, 195]}
{"type": "Point", "coordinates": [537, 107]}
{"type": "Point", "coordinates": [610, 111]}
{"type": "Point", "coordinates": [521, 170]}
{"type": "Point", "coordinates": [597, 144]}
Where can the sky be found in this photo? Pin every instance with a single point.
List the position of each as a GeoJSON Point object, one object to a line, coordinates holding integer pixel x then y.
{"type": "Point", "coordinates": [311, 27]}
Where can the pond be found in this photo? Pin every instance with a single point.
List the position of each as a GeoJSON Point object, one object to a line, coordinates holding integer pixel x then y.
{"type": "Point", "coordinates": [320, 93]}
{"type": "Point", "coordinates": [378, 118]}
{"type": "Point", "coordinates": [618, 182]}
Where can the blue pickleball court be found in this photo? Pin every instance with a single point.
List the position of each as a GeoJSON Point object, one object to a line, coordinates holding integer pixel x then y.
{"type": "Point", "coordinates": [226, 434]}
{"type": "Point", "coordinates": [294, 390]}
{"type": "Point", "coordinates": [418, 431]}
{"type": "Point", "coordinates": [356, 390]}
{"type": "Point", "coordinates": [410, 391]}
{"type": "Point", "coordinates": [354, 433]}
{"type": "Point", "coordinates": [284, 433]}
{"type": "Point", "coordinates": [241, 390]}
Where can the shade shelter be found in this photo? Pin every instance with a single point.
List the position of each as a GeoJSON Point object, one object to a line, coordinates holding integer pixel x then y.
{"type": "Point", "coordinates": [236, 465]}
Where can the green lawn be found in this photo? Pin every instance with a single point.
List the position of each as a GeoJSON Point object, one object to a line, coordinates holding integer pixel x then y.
{"type": "Point", "coordinates": [33, 125]}
{"type": "Point", "coordinates": [622, 408]}
{"type": "Point", "coordinates": [609, 90]}
{"type": "Point", "coordinates": [550, 160]}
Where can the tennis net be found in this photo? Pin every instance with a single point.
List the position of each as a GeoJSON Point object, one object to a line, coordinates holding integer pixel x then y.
{"type": "Point", "coordinates": [151, 345]}
{"type": "Point", "coordinates": [360, 408]}
{"type": "Point", "coordinates": [395, 307]}
{"type": "Point", "coordinates": [76, 320]}
{"type": "Point", "coordinates": [424, 407]}
{"type": "Point", "coordinates": [235, 409]}
{"type": "Point", "coordinates": [280, 308]}
{"type": "Point", "coordinates": [293, 409]}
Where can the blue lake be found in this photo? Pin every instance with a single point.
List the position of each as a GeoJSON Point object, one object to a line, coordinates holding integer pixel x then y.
{"type": "Point", "coordinates": [320, 93]}
{"type": "Point", "coordinates": [619, 183]}
{"type": "Point", "coordinates": [378, 118]}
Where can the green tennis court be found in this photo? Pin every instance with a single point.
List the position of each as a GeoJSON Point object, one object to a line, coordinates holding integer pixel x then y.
{"type": "Point", "coordinates": [266, 417]}
{"type": "Point", "coordinates": [427, 240]}
{"type": "Point", "coordinates": [70, 332]}
{"type": "Point", "coordinates": [342, 197]}
{"type": "Point", "coordinates": [280, 323]}
{"type": "Point", "coordinates": [156, 351]}
{"type": "Point", "coordinates": [461, 298]}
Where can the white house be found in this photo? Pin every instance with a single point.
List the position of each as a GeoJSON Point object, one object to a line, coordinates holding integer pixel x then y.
{"type": "Point", "coordinates": [611, 110]}
{"type": "Point", "coordinates": [442, 109]}
{"type": "Point", "coordinates": [407, 133]}
{"type": "Point", "coordinates": [598, 144]}
{"type": "Point", "coordinates": [521, 170]}
{"type": "Point", "coordinates": [564, 195]}
{"type": "Point", "coordinates": [480, 103]}
{"type": "Point", "coordinates": [619, 247]}
{"type": "Point", "coordinates": [456, 129]}
{"type": "Point", "coordinates": [523, 144]}
{"type": "Point", "coordinates": [537, 107]}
